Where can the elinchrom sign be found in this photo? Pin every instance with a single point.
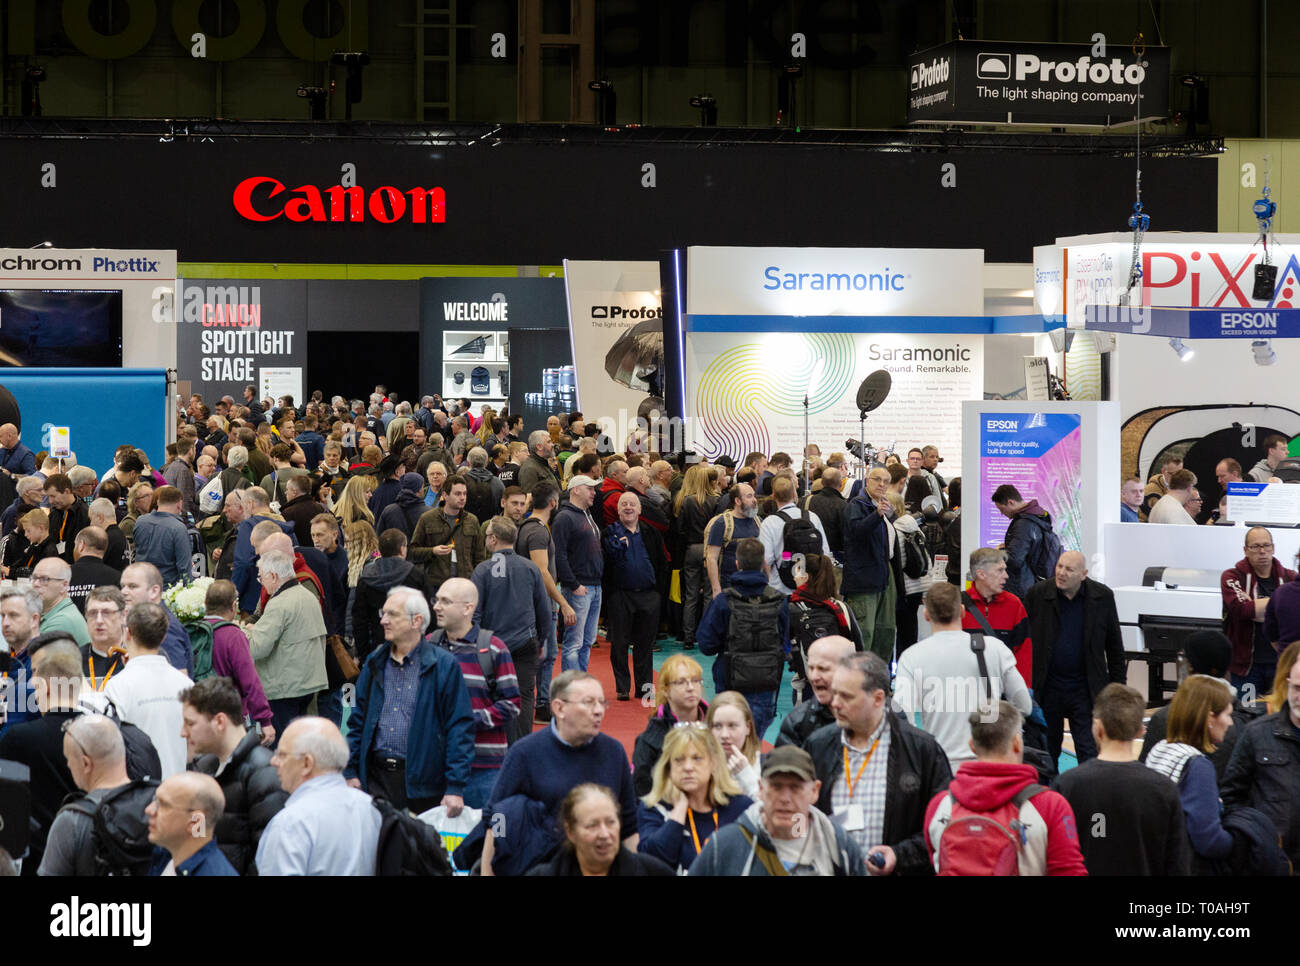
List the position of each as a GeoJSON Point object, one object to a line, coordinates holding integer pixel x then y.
{"type": "Point", "coordinates": [1011, 83]}
{"type": "Point", "coordinates": [259, 199]}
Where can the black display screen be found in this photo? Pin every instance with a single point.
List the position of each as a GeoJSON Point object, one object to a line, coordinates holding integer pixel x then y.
{"type": "Point", "coordinates": [45, 328]}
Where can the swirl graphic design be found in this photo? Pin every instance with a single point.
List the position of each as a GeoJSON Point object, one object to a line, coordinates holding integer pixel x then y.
{"type": "Point", "coordinates": [746, 385]}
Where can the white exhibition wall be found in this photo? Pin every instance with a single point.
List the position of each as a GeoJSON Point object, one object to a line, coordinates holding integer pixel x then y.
{"type": "Point", "coordinates": [147, 280]}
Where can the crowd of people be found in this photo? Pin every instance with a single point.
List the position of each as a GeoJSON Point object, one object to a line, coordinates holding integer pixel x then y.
{"type": "Point", "coordinates": [400, 616]}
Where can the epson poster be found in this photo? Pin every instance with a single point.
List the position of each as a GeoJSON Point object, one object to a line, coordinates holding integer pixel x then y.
{"type": "Point", "coordinates": [976, 81]}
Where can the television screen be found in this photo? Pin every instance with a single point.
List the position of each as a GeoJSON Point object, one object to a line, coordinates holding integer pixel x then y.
{"type": "Point", "coordinates": [44, 328]}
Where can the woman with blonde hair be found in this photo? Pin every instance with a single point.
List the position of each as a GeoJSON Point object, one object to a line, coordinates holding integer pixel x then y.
{"type": "Point", "coordinates": [1285, 662]}
{"type": "Point", "coordinates": [395, 436]}
{"type": "Point", "coordinates": [732, 722]}
{"type": "Point", "coordinates": [1199, 717]}
{"type": "Point", "coordinates": [353, 504]}
{"type": "Point", "coordinates": [362, 546]}
{"type": "Point", "coordinates": [692, 795]}
{"type": "Point", "coordinates": [696, 503]}
{"type": "Point", "coordinates": [485, 426]}
{"type": "Point", "coordinates": [679, 693]}
{"type": "Point", "coordinates": [139, 501]}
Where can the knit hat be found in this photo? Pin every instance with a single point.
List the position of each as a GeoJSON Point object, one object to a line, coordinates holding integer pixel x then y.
{"type": "Point", "coordinates": [411, 481]}
{"type": "Point", "coordinates": [1208, 652]}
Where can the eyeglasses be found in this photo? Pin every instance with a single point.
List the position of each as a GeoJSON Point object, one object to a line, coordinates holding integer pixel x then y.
{"type": "Point", "coordinates": [102, 612]}
{"type": "Point", "coordinates": [40, 581]}
{"type": "Point", "coordinates": [693, 682]}
{"type": "Point", "coordinates": [589, 703]}
{"type": "Point", "coordinates": [692, 724]}
{"type": "Point", "coordinates": [1259, 546]}
{"type": "Point", "coordinates": [66, 729]}
{"type": "Point", "coordinates": [282, 754]}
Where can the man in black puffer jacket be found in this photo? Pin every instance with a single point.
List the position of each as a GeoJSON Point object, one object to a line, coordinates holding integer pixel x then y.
{"type": "Point", "coordinates": [815, 712]}
{"type": "Point", "coordinates": [214, 733]}
{"type": "Point", "coordinates": [377, 578]}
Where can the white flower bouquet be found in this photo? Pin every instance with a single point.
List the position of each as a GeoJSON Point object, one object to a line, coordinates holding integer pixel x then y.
{"type": "Point", "coordinates": [186, 600]}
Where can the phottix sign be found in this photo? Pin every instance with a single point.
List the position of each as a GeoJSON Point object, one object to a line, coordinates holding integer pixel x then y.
{"type": "Point", "coordinates": [981, 82]}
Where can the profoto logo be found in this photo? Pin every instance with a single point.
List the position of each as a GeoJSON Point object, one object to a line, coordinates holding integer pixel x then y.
{"type": "Point", "coordinates": [632, 314]}
{"type": "Point", "coordinates": [927, 75]}
{"type": "Point", "coordinates": [997, 67]}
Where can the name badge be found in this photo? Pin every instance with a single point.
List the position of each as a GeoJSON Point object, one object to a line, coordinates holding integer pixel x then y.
{"type": "Point", "coordinates": [61, 546]}
{"type": "Point", "coordinates": [851, 818]}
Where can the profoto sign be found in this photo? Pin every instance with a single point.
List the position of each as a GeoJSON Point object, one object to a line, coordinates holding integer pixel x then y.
{"type": "Point", "coordinates": [1038, 83]}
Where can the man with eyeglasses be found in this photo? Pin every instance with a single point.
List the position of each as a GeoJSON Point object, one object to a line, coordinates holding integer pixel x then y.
{"type": "Point", "coordinates": [411, 733]}
{"type": "Point", "coordinates": [325, 828]}
{"type": "Point", "coordinates": [105, 655]}
{"type": "Point", "coordinates": [548, 764]}
{"type": "Point", "coordinates": [1247, 587]}
{"type": "Point", "coordinates": [183, 818]}
{"type": "Point", "coordinates": [51, 578]}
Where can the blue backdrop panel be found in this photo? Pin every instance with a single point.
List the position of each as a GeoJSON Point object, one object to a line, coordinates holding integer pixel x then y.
{"type": "Point", "coordinates": [104, 408]}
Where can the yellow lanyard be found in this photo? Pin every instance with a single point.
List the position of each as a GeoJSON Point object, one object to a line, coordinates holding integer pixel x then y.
{"type": "Point", "coordinates": [690, 817]}
{"type": "Point", "coordinates": [853, 781]}
{"type": "Point", "coordinates": [111, 670]}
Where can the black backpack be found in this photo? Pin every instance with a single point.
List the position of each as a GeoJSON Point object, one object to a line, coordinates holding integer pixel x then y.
{"type": "Point", "coordinates": [810, 622]}
{"type": "Point", "coordinates": [755, 654]}
{"type": "Point", "coordinates": [478, 500]}
{"type": "Point", "coordinates": [1042, 559]}
{"type": "Point", "coordinates": [916, 555]}
{"type": "Point", "coordinates": [799, 536]}
{"type": "Point", "coordinates": [408, 846]}
{"type": "Point", "coordinates": [142, 761]}
{"type": "Point", "coordinates": [121, 828]}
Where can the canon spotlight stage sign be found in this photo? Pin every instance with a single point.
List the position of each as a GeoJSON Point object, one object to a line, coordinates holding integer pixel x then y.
{"type": "Point", "coordinates": [978, 82]}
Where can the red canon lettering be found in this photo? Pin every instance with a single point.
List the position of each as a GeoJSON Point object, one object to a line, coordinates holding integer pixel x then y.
{"type": "Point", "coordinates": [384, 204]}
{"type": "Point", "coordinates": [243, 197]}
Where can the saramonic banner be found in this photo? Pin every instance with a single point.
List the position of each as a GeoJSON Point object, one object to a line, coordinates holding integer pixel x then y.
{"type": "Point", "coordinates": [745, 393]}
{"type": "Point", "coordinates": [616, 323]}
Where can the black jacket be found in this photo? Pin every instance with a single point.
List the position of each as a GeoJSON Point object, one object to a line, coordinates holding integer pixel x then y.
{"type": "Point", "coordinates": [87, 574]}
{"type": "Point", "coordinates": [655, 550]}
{"type": "Point", "coordinates": [115, 555]}
{"type": "Point", "coordinates": [1264, 773]}
{"type": "Point", "coordinates": [829, 505]}
{"type": "Point", "coordinates": [377, 578]}
{"type": "Point", "coordinates": [625, 863]}
{"type": "Point", "coordinates": [649, 745]}
{"type": "Point", "coordinates": [300, 511]}
{"type": "Point", "coordinates": [804, 718]}
{"type": "Point", "coordinates": [917, 771]}
{"type": "Point", "coordinates": [1103, 647]}
{"type": "Point", "coordinates": [403, 513]}
{"type": "Point", "coordinates": [253, 797]}
{"type": "Point", "coordinates": [1242, 716]}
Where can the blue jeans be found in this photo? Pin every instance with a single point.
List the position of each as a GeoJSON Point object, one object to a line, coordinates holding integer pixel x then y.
{"type": "Point", "coordinates": [284, 710]}
{"type": "Point", "coordinates": [329, 704]}
{"type": "Point", "coordinates": [479, 787]}
{"type": "Point", "coordinates": [579, 638]}
{"type": "Point", "coordinates": [762, 704]}
{"type": "Point", "coordinates": [547, 667]}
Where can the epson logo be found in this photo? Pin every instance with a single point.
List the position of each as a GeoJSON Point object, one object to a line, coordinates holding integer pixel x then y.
{"type": "Point", "coordinates": [927, 75]}
{"type": "Point", "coordinates": [631, 314]}
{"type": "Point", "coordinates": [1249, 320]}
{"type": "Point", "coordinates": [1082, 71]}
{"type": "Point", "coordinates": [1001, 425]}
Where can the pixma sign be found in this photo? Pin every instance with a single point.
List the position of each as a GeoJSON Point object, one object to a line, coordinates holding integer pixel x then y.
{"type": "Point", "coordinates": [979, 82]}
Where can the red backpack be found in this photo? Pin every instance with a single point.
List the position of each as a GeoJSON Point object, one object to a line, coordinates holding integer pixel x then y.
{"type": "Point", "coordinates": [983, 843]}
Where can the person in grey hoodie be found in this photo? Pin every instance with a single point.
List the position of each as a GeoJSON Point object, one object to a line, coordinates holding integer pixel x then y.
{"type": "Point", "coordinates": [477, 458]}
{"type": "Point", "coordinates": [783, 833]}
{"type": "Point", "coordinates": [392, 569]}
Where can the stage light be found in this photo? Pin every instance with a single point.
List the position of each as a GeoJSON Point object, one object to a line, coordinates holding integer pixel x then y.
{"type": "Point", "coordinates": [44, 244]}
{"type": "Point", "coordinates": [606, 102]}
{"type": "Point", "coordinates": [1264, 354]}
{"type": "Point", "coordinates": [1184, 353]}
{"type": "Point", "coordinates": [317, 96]}
{"type": "Point", "coordinates": [708, 107]}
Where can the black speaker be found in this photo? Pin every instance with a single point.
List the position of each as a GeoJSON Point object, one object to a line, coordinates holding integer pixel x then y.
{"type": "Point", "coordinates": [15, 807]}
{"type": "Point", "coordinates": [1265, 283]}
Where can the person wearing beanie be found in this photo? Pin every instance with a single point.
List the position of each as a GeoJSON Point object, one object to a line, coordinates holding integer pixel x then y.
{"type": "Point", "coordinates": [405, 510]}
{"type": "Point", "coordinates": [1207, 652]}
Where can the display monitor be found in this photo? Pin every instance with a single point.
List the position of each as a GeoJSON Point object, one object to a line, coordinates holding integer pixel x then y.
{"type": "Point", "coordinates": [44, 328]}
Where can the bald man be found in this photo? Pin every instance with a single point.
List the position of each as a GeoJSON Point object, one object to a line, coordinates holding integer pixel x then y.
{"type": "Point", "coordinates": [824, 656]}
{"type": "Point", "coordinates": [183, 818]}
{"type": "Point", "coordinates": [1078, 650]}
{"type": "Point", "coordinates": [15, 458]}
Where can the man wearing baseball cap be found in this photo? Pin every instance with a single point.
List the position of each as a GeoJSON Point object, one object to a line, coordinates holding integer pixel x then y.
{"type": "Point", "coordinates": [782, 833]}
{"type": "Point", "coordinates": [579, 568]}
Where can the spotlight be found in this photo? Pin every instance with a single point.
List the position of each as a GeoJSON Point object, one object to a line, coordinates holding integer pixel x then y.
{"type": "Point", "coordinates": [1184, 353]}
{"type": "Point", "coordinates": [354, 61]}
{"type": "Point", "coordinates": [708, 107]}
{"type": "Point", "coordinates": [317, 96]}
{"type": "Point", "coordinates": [1062, 338]}
{"type": "Point", "coordinates": [31, 91]}
{"type": "Point", "coordinates": [1264, 354]}
{"type": "Point", "coordinates": [1104, 341]}
{"type": "Point", "coordinates": [44, 244]}
{"type": "Point", "coordinates": [606, 102]}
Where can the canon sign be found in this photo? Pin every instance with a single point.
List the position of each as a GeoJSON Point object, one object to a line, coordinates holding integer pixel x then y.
{"type": "Point", "coordinates": [257, 199]}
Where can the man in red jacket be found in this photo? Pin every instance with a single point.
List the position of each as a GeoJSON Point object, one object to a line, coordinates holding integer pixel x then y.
{"type": "Point", "coordinates": [998, 787]}
{"type": "Point", "coordinates": [1246, 588]}
{"type": "Point", "coordinates": [612, 487]}
{"type": "Point", "coordinates": [1001, 609]}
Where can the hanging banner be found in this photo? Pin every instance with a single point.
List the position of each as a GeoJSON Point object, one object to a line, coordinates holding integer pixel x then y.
{"type": "Point", "coordinates": [1040, 454]}
{"type": "Point", "coordinates": [616, 323]}
{"type": "Point", "coordinates": [748, 393]}
{"type": "Point", "coordinates": [233, 330]}
{"type": "Point", "coordinates": [978, 81]}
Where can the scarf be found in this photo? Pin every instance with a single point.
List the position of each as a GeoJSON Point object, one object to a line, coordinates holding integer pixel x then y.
{"type": "Point", "coordinates": [801, 597]}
